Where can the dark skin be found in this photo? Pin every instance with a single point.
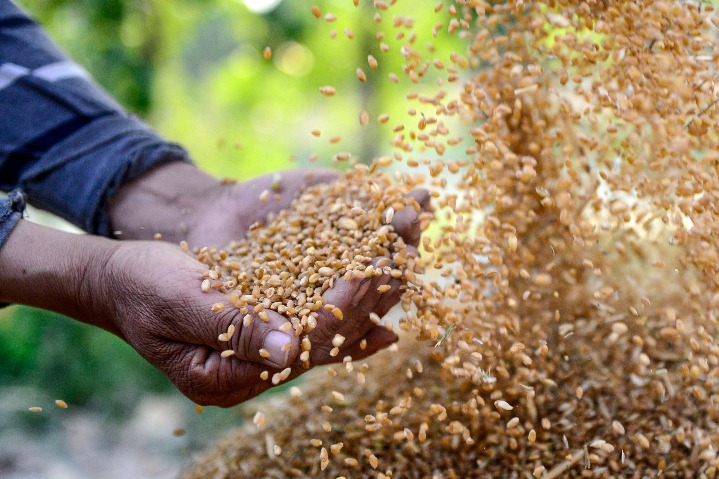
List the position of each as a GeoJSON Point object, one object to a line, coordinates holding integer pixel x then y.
{"type": "Point", "coordinates": [148, 294]}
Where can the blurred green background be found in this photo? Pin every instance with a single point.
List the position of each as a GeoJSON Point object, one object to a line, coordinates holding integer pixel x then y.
{"type": "Point", "coordinates": [195, 71]}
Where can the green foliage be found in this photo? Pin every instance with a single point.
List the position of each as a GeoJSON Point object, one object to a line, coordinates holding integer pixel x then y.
{"type": "Point", "coordinates": [196, 72]}
{"type": "Point", "coordinates": [73, 361]}
{"type": "Point", "coordinates": [113, 39]}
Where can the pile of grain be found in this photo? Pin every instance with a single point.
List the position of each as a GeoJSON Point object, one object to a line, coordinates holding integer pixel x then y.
{"type": "Point", "coordinates": [572, 273]}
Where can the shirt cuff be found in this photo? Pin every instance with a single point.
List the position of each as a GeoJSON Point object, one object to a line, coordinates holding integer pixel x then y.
{"type": "Point", "coordinates": [12, 209]}
{"type": "Point", "coordinates": [78, 176]}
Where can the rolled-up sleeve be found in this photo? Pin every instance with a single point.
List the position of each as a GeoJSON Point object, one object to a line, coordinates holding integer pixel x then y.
{"type": "Point", "coordinates": [12, 209]}
{"type": "Point", "coordinates": [63, 140]}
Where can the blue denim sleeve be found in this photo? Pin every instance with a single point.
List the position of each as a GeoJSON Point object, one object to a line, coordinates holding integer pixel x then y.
{"type": "Point", "coordinates": [12, 209]}
{"type": "Point", "coordinates": [63, 140]}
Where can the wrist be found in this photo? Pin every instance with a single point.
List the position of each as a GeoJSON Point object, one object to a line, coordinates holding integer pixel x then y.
{"type": "Point", "coordinates": [58, 271]}
{"type": "Point", "coordinates": [163, 201]}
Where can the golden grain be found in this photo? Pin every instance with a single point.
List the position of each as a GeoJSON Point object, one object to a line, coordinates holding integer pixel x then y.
{"type": "Point", "coordinates": [338, 340]}
{"type": "Point", "coordinates": [572, 271]}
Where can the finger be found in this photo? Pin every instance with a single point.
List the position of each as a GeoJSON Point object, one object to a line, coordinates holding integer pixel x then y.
{"type": "Point", "coordinates": [294, 181]}
{"type": "Point", "coordinates": [351, 321]}
{"type": "Point", "coordinates": [265, 337]}
{"type": "Point", "coordinates": [422, 197]}
{"type": "Point", "coordinates": [283, 187]}
{"type": "Point", "coordinates": [358, 301]}
{"type": "Point", "coordinates": [389, 298]}
{"type": "Point", "coordinates": [207, 378]}
{"type": "Point", "coordinates": [397, 286]}
{"type": "Point", "coordinates": [355, 298]}
{"type": "Point", "coordinates": [316, 176]}
{"type": "Point", "coordinates": [407, 222]}
{"type": "Point", "coordinates": [376, 339]}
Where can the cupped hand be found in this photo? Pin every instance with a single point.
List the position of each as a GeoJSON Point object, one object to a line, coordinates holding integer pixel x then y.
{"type": "Point", "coordinates": [151, 290]}
{"type": "Point", "coordinates": [174, 327]}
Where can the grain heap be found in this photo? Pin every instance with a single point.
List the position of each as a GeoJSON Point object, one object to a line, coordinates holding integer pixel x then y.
{"type": "Point", "coordinates": [572, 273]}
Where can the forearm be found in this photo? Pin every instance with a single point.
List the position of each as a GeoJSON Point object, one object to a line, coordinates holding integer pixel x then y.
{"type": "Point", "coordinates": [57, 271]}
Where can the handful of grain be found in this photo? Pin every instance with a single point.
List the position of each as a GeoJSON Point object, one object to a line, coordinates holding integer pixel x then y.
{"type": "Point", "coordinates": [568, 322]}
{"type": "Point", "coordinates": [331, 231]}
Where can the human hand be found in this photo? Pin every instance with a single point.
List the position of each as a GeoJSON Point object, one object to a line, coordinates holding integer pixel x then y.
{"type": "Point", "coordinates": [180, 202]}
{"type": "Point", "coordinates": [148, 293]}
{"type": "Point", "coordinates": [152, 289]}
{"type": "Point", "coordinates": [225, 212]}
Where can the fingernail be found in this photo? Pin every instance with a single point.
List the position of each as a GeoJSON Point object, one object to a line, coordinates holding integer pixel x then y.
{"type": "Point", "coordinates": [274, 342]}
{"type": "Point", "coordinates": [361, 291]}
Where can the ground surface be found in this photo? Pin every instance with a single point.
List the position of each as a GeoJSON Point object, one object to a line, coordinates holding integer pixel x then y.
{"type": "Point", "coordinates": [80, 444]}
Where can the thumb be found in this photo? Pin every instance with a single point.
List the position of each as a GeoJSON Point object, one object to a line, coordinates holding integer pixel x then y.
{"type": "Point", "coordinates": [261, 338]}
{"type": "Point", "coordinates": [265, 337]}
{"type": "Point", "coordinates": [407, 222]}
